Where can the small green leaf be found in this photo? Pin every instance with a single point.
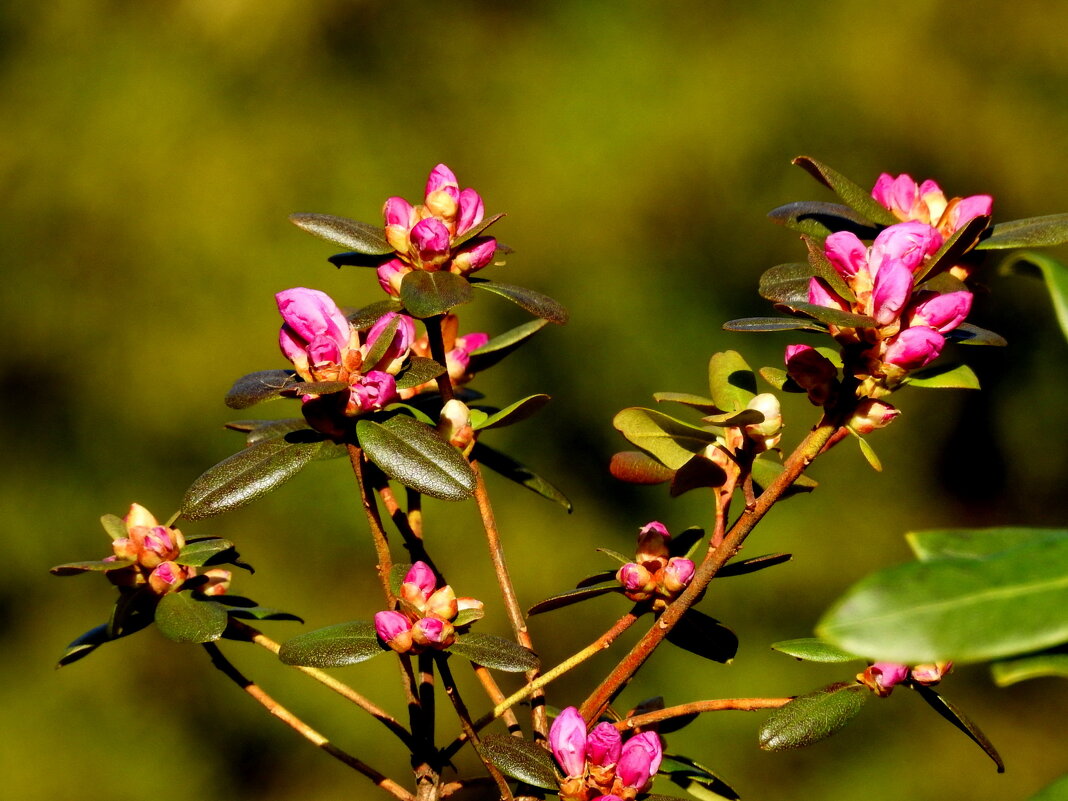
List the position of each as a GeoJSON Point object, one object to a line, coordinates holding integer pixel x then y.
{"type": "Point", "coordinates": [528, 299]}
{"type": "Point", "coordinates": [615, 555]}
{"type": "Point", "coordinates": [962, 240]}
{"type": "Point", "coordinates": [744, 566]}
{"type": "Point", "coordinates": [705, 636]}
{"type": "Point", "coordinates": [978, 543]}
{"type": "Point", "coordinates": [786, 283]}
{"type": "Point", "coordinates": [818, 219]}
{"type": "Point", "coordinates": [258, 387]}
{"type": "Point", "coordinates": [968, 334]}
{"type": "Point", "coordinates": [960, 376]}
{"type": "Point", "coordinates": [368, 315]}
{"type": "Point", "coordinates": [706, 405]}
{"type": "Point", "coordinates": [954, 715]}
{"type": "Point", "coordinates": [465, 617]}
{"type": "Point", "coordinates": [419, 371]}
{"type": "Point", "coordinates": [779, 380]}
{"type": "Point", "coordinates": [114, 525]}
{"type": "Point", "coordinates": [854, 196]}
{"type": "Point", "coordinates": [508, 467]}
{"type": "Point", "coordinates": [699, 471]}
{"type": "Point", "coordinates": [731, 382]}
{"type": "Point", "coordinates": [334, 646]}
{"type": "Point", "coordinates": [1051, 229]}
{"type": "Point", "coordinates": [1053, 272]}
{"type": "Point", "coordinates": [358, 236]}
{"type": "Point", "coordinates": [246, 609]}
{"type": "Point", "coordinates": [671, 441]}
{"type": "Point", "coordinates": [415, 455]}
{"type": "Point", "coordinates": [842, 319]}
{"type": "Point", "coordinates": [428, 294]}
{"type": "Point", "coordinates": [495, 652]}
{"type": "Point", "coordinates": [503, 344]}
{"type": "Point", "coordinates": [1057, 791]}
{"type": "Point", "coordinates": [869, 454]}
{"type": "Point", "coordinates": [758, 324]}
{"type": "Point", "coordinates": [182, 617]}
{"type": "Point", "coordinates": [205, 551]}
{"type": "Point", "coordinates": [94, 566]}
{"type": "Point", "coordinates": [696, 779]}
{"type": "Point", "coordinates": [812, 717]}
{"type": "Point", "coordinates": [636, 467]}
{"type": "Point", "coordinates": [380, 346]}
{"type": "Point", "coordinates": [514, 413]}
{"type": "Point", "coordinates": [97, 636]}
{"type": "Point", "coordinates": [521, 760]}
{"type": "Point", "coordinates": [813, 649]}
{"type": "Point", "coordinates": [474, 231]}
{"type": "Point", "coordinates": [1051, 663]}
{"type": "Point", "coordinates": [574, 596]}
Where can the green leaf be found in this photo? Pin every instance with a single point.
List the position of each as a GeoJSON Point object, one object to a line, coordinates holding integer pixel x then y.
{"type": "Point", "coordinates": [428, 294]}
{"type": "Point", "coordinates": [574, 596]}
{"type": "Point", "coordinates": [1052, 229]}
{"type": "Point", "coordinates": [534, 302]}
{"type": "Point", "coordinates": [685, 543]}
{"type": "Point", "coordinates": [671, 441]}
{"type": "Point", "coordinates": [779, 380]}
{"type": "Point", "coordinates": [812, 717]}
{"type": "Point", "coordinates": [731, 382]}
{"type": "Point", "coordinates": [522, 760]}
{"type": "Point", "coordinates": [822, 268]}
{"type": "Point", "coordinates": [962, 240]}
{"type": "Point", "coordinates": [699, 471]}
{"type": "Point", "coordinates": [706, 405]}
{"type": "Point", "coordinates": [854, 196]}
{"type": "Point", "coordinates": [205, 552]}
{"type": "Point", "coordinates": [506, 466]}
{"type": "Point", "coordinates": [365, 317]}
{"type": "Point", "coordinates": [744, 566]}
{"type": "Point", "coordinates": [94, 566]}
{"type": "Point", "coordinates": [978, 543]}
{"type": "Point", "coordinates": [615, 555]}
{"type": "Point", "coordinates": [696, 779]}
{"type": "Point", "coordinates": [495, 652]}
{"type": "Point", "coordinates": [786, 283]}
{"type": "Point", "coordinates": [1053, 272]}
{"type": "Point", "coordinates": [818, 219]}
{"type": "Point", "coordinates": [474, 231]}
{"type": "Point", "coordinates": [1051, 663]}
{"type": "Point", "coordinates": [765, 471]}
{"type": "Point", "coordinates": [246, 475]}
{"type": "Point", "coordinates": [954, 715]}
{"type": "Point", "coordinates": [960, 376]}
{"type": "Point", "coordinates": [246, 609]}
{"type": "Point", "coordinates": [1057, 791]}
{"type": "Point", "coordinates": [114, 525]}
{"type": "Point", "coordinates": [636, 467]}
{"type": "Point", "coordinates": [97, 636]}
{"type": "Point", "coordinates": [358, 236]}
{"type": "Point", "coordinates": [182, 617]}
{"type": "Point", "coordinates": [514, 413]}
{"type": "Point", "coordinates": [813, 649]}
{"type": "Point", "coordinates": [352, 258]}
{"type": "Point", "coordinates": [503, 344]}
{"type": "Point", "coordinates": [869, 454]}
{"type": "Point", "coordinates": [705, 636]}
{"type": "Point", "coordinates": [968, 334]}
{"type": "Point", "coordinates": [258, 387]}
{"type": "Point", "coordinates": [963, 610]}
{"type": "Point", "coordinates": [419, 371]}
{"type": "Point", "coordinates": [334, 646]}
{"type": "Point", "coordinates": [465, 617]}
{"type": "Point", "coordinates": [415, 455]}
{"type": "Point", "coordinates": [380, 346]}
{"type": "Point", "coordinates": [758, 324]}
{"type": "Point", "coordinates": [842, 319]}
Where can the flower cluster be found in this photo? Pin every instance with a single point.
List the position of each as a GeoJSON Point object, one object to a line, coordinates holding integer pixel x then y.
{"type": "Point", "coordinates": [435, 235]}
{"type": "Point", "coordinates": [599, 764]}
{"type": "Point", "coordinates": [654, 573]}
{"type": "Point", "coordinates": [428, 615]}
{"type": "Point", "coordinates": [458, 350]}
{"type": "Point", "coordinates": [882, 677]}
{"type": "Point", "coordinates": [926, 203]}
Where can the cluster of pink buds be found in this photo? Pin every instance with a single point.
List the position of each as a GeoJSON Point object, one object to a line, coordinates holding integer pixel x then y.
{"type": "Point", "coordinates": [435, 235]}
{"type": "Point", "coordinates": [654, 573]}
{"type": "Point", "coordinates": [882, 677]}
{"type": "Point", "coordinates": [151, 550]}
{"type": "Point", "coordinates": [428, 615]}
{"type": "Point", "coordinates": [324, 347]}
{"type": "Point", "coordinates": [458, 350]}
{"type": "Point", "coordinates": [599, 765]}
{"type": "Point", "coordinates": [926, 203]}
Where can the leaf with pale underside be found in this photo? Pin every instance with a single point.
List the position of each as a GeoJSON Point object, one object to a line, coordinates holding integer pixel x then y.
{"type": "Point", "coordinates": [537, 303]}
{"type": "Point", "coordinates": [813, 649]}
{"type": "Point", "coordinates": [358, 236]}
{"type": "Point", "coordinates": [820, 220]}
{"type": "Point", "coordinates": [636, 467]}
{"type": "Point", "coordinates": [768, 324]}
{"type": "Point", "coordinates": [731, 381]}
{"type": "Point", "coordinates": [1051, 229]}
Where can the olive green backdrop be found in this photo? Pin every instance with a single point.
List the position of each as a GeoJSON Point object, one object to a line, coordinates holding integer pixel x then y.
{"type": "Point", "coordinates": [149, 155]}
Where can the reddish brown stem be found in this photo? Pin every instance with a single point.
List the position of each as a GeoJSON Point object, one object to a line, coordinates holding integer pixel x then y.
{"type": "Point", "coordinates": [696, 707]}
{"type": "Point", "coordinates": [374, 520]}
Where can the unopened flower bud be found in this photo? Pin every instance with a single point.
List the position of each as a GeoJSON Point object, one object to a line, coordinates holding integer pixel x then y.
{"type": "Point", "coordinates": [567, 740]}
{"type": "Point", "coordinates": [812, 371]}
{"type": "Point", "coordinates": [603, 746]}
{"type": "Point", "coordinates": [433, 633]}
{"type": "Point", "coordinates": [882, 677]}
{"type": "Point", "coordinates": [167, 577]}
{"type": "Point", "coordinates": [765, 434]}
{"type": "Point", "coordinates": [914, 348]}
{"type": "Point", "coordinates": [872, 415]}
{"type": "Point", "coordinates": [430, 238]}
{"type": "Point", "coordinates": [677, 574]}
{"type": "Point", "coordinates": [218, 582]}
{"type": "Point", "coordinates": [652, 548]}
{"type": "Point", "coordinates": [139, 516]}
{"type": "Point", "coordinates": [931, 673]}
{"type": "Point", "coordinates": [390, 275]}
{"type": "Point", "coordinates": [442, 604]}
{"type": "Point", "coordinates": [475, 255]}
{"type": "Point", "coordinates": [639, 760]}
{"type": "Point", "coordinates": [418, 585]}
{"type": "Point", "coordinates": [454, 424]}
{"type": "Point", "coordinates": [638, 583]}
{"type": "Point", "coordinates": [394, 630]}
{"type": "Point", "coordinates": [155, 545]}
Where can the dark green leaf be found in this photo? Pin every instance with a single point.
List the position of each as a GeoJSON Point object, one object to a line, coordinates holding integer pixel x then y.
{"type": "Point", "coordinates": [182, 617]}
{"type": "Point", "coordinates": [765, 471]}
{"type": "Point", "coordinates": [636, 467]}
{"type": "Point", "coordinates": [854, 196]}
{"type": "Point", "coordinates": [380, 346]}
{"type": "Point", "coordinates": [205, 552]}
{"type": "Point", "coordinates": [962, 240]}
{"type": "Point", "coordinates": [503, 344]}
{"type": "Point", "coordinates": [314, 388]}
{"type": "Point", "coordinates": [1053, 662]}
{"type": "Point", "coordinates": [773, 324]}
{"type": "Point", "coordinates": [700, 634]}
{"type": "Point", "coordinates": [812, 717]}
{"type": "Point", "coordinates": [955, 716]}
{"type": "Point", "coordinates": [428, 294]}
{"type": "Point", "coordinates": [779, 379]}
{"type": "Point", "coordinates": [352, 258]}
{"type": "Point", "coordinates": [731, 382]}
{"type": "Point", "coordinates": [97, 636]}
{"type": "Point", "coordinates": [534, 302]}
{"type": "Point", "coordinates": [245, 608]}
{"type": "Point", "coordinates": [686, 542]}
{"type": "Point", "coordinates": [786, 283]}
{"type": "Point", "coordinates": [968, 334]}
{"type": "Point", "coordinates": [415, 455]}
{"type": "Point", "coordinates": [744, 566]}
{"type": "Point", "coordinates": [842, 319]}
{"type": "Point", "coordinates": [706, 405]}
{"type": "Point", "coordinates": [508, 467]}
{"type": "Point", "coordinates": [418, 372]}
{"type": "Point", "coordinates": [474, 231]}
{"type": "Point", "coordinates": [245, 476]}
{"type": "Point", "coordinates": [1053, 272]}
{"type": "Point", "coordinates": [960, 376]}
{"type": "Point", "coordinates": [358, 236]}
{"type": "Point", "coordinates": [96, 566]}
{"type": "Point", "coordinates": [522, 760]}
{"type": "Point", "coordinates": [616, 555]}
{"type": "Point", "coordinates": [465, 617]}
{"type": "Point", "coordinates": [813, 649]}
{"type": "Point", "coordinates": [114, 525]}
{"type": "Point", "coordinates": [574, 596]}
{"type": "Point", "coordinates": [671, 441]}
{"type": "Point", "coordinates": [822, 268]}
{"type": "Point", "coordinates": [1057, 791]}
{"type": "Point", "coordinates": [1051, 229]}
{"type": "Point", "coordinates": [819, 219]}
{"type": "Point", "coordinates": [257, 387]}
{"type": "Point", "coordinates": [495, 652]}
{"type": "Point", "coordinates": [978, 543]}
{"type": "Point", "coordinates": [334, 646]}
{"type": "Point", "coordinates": [698, 472]}
{"type": "Point", "coordinates": [596, 578]}
{"type": "Point", "coordinates": [515, 412]}
{"type": "Point", "coordinates": [367, 316]}
{"type": "Point", "coordinates": [696, 779]}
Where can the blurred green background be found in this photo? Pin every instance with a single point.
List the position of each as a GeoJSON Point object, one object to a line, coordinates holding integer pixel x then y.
{"type": "Point", "coordinates": [150, 154]}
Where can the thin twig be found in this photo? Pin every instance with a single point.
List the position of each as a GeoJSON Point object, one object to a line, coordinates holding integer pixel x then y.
{"type": "Point", "coordinates": [696, 707]}
{"type": "Point", "coordinates": [437, 351]}
{"type": "Point", "coordinates": [493, 690]}
{"type": "Point", "coordinates": [374, 520]}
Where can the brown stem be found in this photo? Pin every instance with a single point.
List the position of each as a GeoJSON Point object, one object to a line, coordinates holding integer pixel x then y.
{"type": "Point", "coordinates": [809, 449]}
{"type": "Point", "coordinates": [413, 541]}
{"type": "Point", "coordinates": [374, 520]}
{"type": "Point", "coordinates": [493, 690]}
{"type": "Point", "coordinates": [437, 351]}
{"type": "Point", "coordinates": [415, 512]}
{"type": "Point", "coordinates": [302, 728]}
{"type": "Point", "coordinates": [696, 707]}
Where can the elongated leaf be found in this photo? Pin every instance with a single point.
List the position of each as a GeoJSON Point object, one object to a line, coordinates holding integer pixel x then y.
{"type": "Point", "coordinates": [765, 471]}
{"type": "Point", "coordinates": [962, 240]}
{"type": "Point", "coordinates": [495, 652]}
{"type": "Point", "coordinates": [842, 319]}
{"type": "Point", "coordinates": [246, 475]}
{"type": "Point", "coordinates": [957, 609]}
{"type": "Point", "coordinates": [636, 467]}
{"type": "Point", "coordinates": [353, 258]}
{"type": "Point", "coordinates": [334, 646]}
{"type": "Point", "coordinates": [1053, 272]}
{"type": "Point", "coordinates": [515, 412]}
{"type": "Point", "coordinates": [508, 467]}
{"type": "Point", "coordinates": [245, 608]}
{"type": "Point", "coordinates": [1052, 229]}
{"type": "Point", "coordinates": [954, 715]}
{"type": "Point", "coordinates": [696, 779]}
{"type": "Point", "coordinates": [1057, 791]}
{"type": "Point", "coordinates": [731, 381]}
{"type": "Point", "coordinates": [84, 645]}
{"type": "Point", "coordinates": [942, 283]}
{"type": "Point", "coordinates": [812, 717]}
{"type": "Point", "coordinates": [114, 526]}
{"type": "Point", "coordinates": [574, 596]}
{"type": "Point", "coordinates": [960, 376]}
{"type": "Point", "coordinates": [419, 371]}
{"type": "Point", "coordinates": [818, 219]}
{"type": "Point", "coordinates": [854, 196]}
{"type": "Point", "coordinates": [474, 231]}
{"type": "Point", "coordinates": [813, 649]}
{"type": "Point", "coordinates": [615, 555]}
{"type": "Point", "coordinates": [182, 617]}
{"type": "Point", "coordinates": [428, 294]}
{"type": "Point", "coordinates": [671, 441]}
{"type": "Point", "coordinates": [90, 566]}
{"type": "Point", "coordinates": [596, 578]}
{"type": "Point", "coordinates": [699, 471]}
{"type": "Point", "coordinates": [503, 344]}
{"type": "Point", "coordinates": [743, 418]}
{"type": "Point", "coordinates": [779, 380]}
{"type": "Point", "coordinates": [978, 543]}
{"type": "Point", "coordinates": [358, 236]}
{"type": "Point", "coordinates": [415, 455]}
{"type": "Point", "coordinates": [744, 566]}
{"type": "Point", "coordinates": [786, 283]}
{"type": "Point", "coordinates": [822, 268]}
{"type": "Point", "coordinates": [258, 387]}
{"type": "Point", "coordinates": [968, 334]}
{"type": "Point", "coordinates": [705, 636]}
{"type": "Point", "coordinates": [465, 617]}
{"type": "Point", "coordinates": [380, 346]}
{"type": "Point", "coordinates": [366, 316]}
{"type": "Point", "coordinates": [869, 454]}
{"type": "Point", "coordinates": [205, 551]}
{"type": "Point", "coordinates": [706, 405]}
{"type": "Point", "coordinates": [536, 303]}
{"type": "Point", "coordinates": [759, 324]}
{"type": "Point", "coordinates": [522, 760]}
{"type": "Point", "coordinates": [1053, 662]}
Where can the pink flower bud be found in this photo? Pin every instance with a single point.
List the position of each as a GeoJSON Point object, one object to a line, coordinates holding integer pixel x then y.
{"type": "Point", "coordinates": [419, 584]}
{"type": "Point", "coordinates": [603, 745]}
{"type": "Point", "coordinates": [463, 604]}
{"type": "Point", "coordinates": [882, 677]}
{"type": "Point", "coordinates": [125, 549]}
{"type": "Point", "coordinates": [872, 415]}
{"type": "Point", "coordinates": [471, 211]}
{"type": "Point", "coordinates": [893, 286]}
{"type": "Point", "coordinates": [139, 516]}
{"type": "Point", "coordinates": [638, 583]}
{"type": "Point", "coordinates": [218, 582]}
{"type": "Point", "coordinates": [394, 630]}
{"type": "Point", "coordinates": [372, 390]}
{"type": "Point", "coordinates": [639, 760]}
{"type": "Point", "coordinates": [846, 253]}
{"type": "Point", "coordinates": [931, 673]}
{"type": "Point", "coordinates": [653, 541]}
{"type": "Point", "coordinates": [819, 294]}
{"type": "Point", "coordinates": [914, 347]}
{"type": "Point", "coordinates": [475, 255]}
{"type": "Point", "coordinates": [397, 351]}
{"type": "Point", "coordinates": [390, 275]}
{"type": "Point", "coordinates": [812, 371]}
{"type": "Point", "coordinates": [398, 211]}
{"type": "Point", "coordinates": [677, 574]}
{"type": "Point", "coordinates": [430, 632]}
{"type": "Point", "coordinates": [431, 240]}
{"type": "Point", "coordinates": [567, 740]}
{"type": "Point", "coordinates": [309, 313]}
{"type": "Point", "coordinates": [167, 577]}
{"type": "Point", "coordinates": [441, 177]}
{"type": "Point", "coordinates": [155, 545]}
{"type": "Point", "coordinates": [943, 312]}
{"type": "Point", "coordinates": [908, 242]}
{"type": "Point", "coordinates": [966, 209]}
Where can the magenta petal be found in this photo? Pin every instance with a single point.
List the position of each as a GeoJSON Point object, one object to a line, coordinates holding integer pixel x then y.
{"type": "Point", "coordinates": [323, 350]}
{"type": "Point", "coordinates": [422, 576]}
{"type": "Point", "coordinates": [944, 312]}
{"type": "Point", "coordinates": [604, 745]}
{"type": "Point", "coordinates": [293, 348]}
{"type": "Point", "coordinates": [310, 313]}
{"type": "Point", "coordinates": [889, 674]}
{"type": "Point", "coordinates": [908, 242]}
{"type": "Point", "coordinates": [402, 337]}
{"type": "Point", "coordinates": [440, 177]}
{"type": "Point", "coordinates": [471, 211]}
{"type": "Point", "coordinates": [639, 760]}
{"type": "Point", "coordinates": [389, 624]}
{"type": "Point", "coordinates": [373, 390]}
{"type": "Point", "coordinates": [398, 211]}
{"type": "Point", "coordinates": [567, 739]}
{"type": "Point", "coordinates": [971, 207]}
{"type": "Point", "coordinates": [915, 347]}
{"type": "Point", "coordinates": [819, 294]}
{"type": "Point", "coordinates": [893, 286]}
{"type": "Point", "coordinates": [881, 190]}
{"type": "Point", "coordinates": [430, 237]}
{"type": "Point", "coordinates": [847, 253]}
{"type": "Point", "coordinates": [476, 254]}
{"type": "Point", "coordinates": [903, 194]}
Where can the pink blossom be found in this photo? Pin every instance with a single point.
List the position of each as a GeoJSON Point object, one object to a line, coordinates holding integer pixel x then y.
{"type": "Point", "coordinates": [638, 582]}
{"type": "Point", "coordinates": [419, 583]}
{"type": "Point", "coordinates": [872, 415]}
{"type": "Point", "coordinates": [639, 760]}
{"type": "Point", "coordinates": [914, 347]}
{"type": "Point", "coordinates": [819, 294]}
{"type": "Point", "coordinates": [395, 630]}
{"type": "Point", "coordinates": [398, 348]}
{"type": "Point", "coordinates": [430, 238]}
{"type": "Point", "coordinates": [943, 313]}
{"type": "Point", "coordinates": [441, 178]}
{"type": "Point", "coordinates": [433, 632]}
{"type": "Point", "coordinates": [471, 211]}
{"type": "Point", "coordinates": [677, 574]}
{"type": "Point", "coordinates": [846, 253]}
{"type": "Point", "coordinates": [167, 577]}
{"type": "Point", "coordinates": [893, 286]}
{"type": "Point", "coordinates": [372, 390]}
{"type": "Point", "coordinates": [475, 255]}
{"type": "Point", "coordinates": [653, 541]}
{"type": "Point", "coordinates": [567, 740]}
{"type": "Point", "coordinates": [907, 242]}
{"type": "Point", "coordinates": [882, 677]}
{"type": "Point", "coordinates": [314, 331]}
{"type": "Point", "coordinates": [390, 275]}
{"type": "Point", "coordinates": [927, 203]}
{"type": "Point", "coordinates": [812, 371]}
{"type": "Point", "coordinates": [603, 745]}
{"type": "Point", "coordinates": [442, 604]}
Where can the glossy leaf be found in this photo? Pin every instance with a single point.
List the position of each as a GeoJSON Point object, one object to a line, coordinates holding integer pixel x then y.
{"type": "Point", "coordinates": [698, 472]}
{"type": "Point", "coordinates": [744, 566]}
{"type": "Point", "coordinates": [963, 610]}
{"type": "Point", "coordinates": [258, 387]}
{"type": "Point", "coordinates": [465, 617]}
{"type": "Point", "coordinates": [1053, 272]}
{"type": "Point", "coordinates": [88, 642]}
{"type": "Point", "coordinates": [182, 617]}
{"type": "Point", "coordinates": [961, 241]}
{"type": "Point", "coordinates": [475, 230]}
{"type": "Point", "coordinates": [536, 303]}
{"type": "Point", "coordinates": [574, 596]}
{"type": "Point", "coordinates": [778, 379]}
{"type": "Point", "coordinates": [428, 294]}
{"type": "Point", "coordinates": [514, 413]}
{"type": "Point", "coordinates": [842, 319]}
{"type": "Point", "coordinates": [942, 283]}
{"type": "Point", "coordinates": [813, 649]}
{"type": "Point", "coordinates": [358, 236]}
{"type": "Point", "coordinates": [954, 715]}
{"type": "Point", "coordinates": [197, 553]}
{"type": "Point", "coordinates": [731, 382]}
{"type": "Point", "coordinates": [1051, 229]}
{"type": "Point", "coordinates": [637, 467]}
{"type": "Point", "coordinates": [1051, 663]}
{"type": "Point", "coordinates": [114, 525]}
{"type": "Point", "coordinates": [968, 334]}
{"type": "Point", "coordinates": [960, 376]}
{"type": "Point", "coordinates": [246, 475]}
{"type": "Point", "coordinates": [822, 268]}
{"type": "Point", "coordinates": [765, 471]}
{"type": "Point", "coordinates": [508, 467]}
{"type": "Point", "coordinates": [381, 345]}
{"type": "Point", "coordinates": [706, 405]}
{"type": "Point", "coordinates": [869, 454]}
{"type": "Point", "coordinates": [596, 578]}
{"type": "Point", "coordinates": [415, 455]}
{"type": "Point", "coordinates": [89, 566]}
{"type": "Point", "coordinates": [495, 652]}
{"type": "Point", "coordinates": [696, 779]}
{"type": "Point", "coordinates": [812, 717]}
{"type": "Point", "coordinates": [818, 219]}
{"type": "Point", "coordinates": [334, 646]}
{"type": "Point", "coordinates": [786, 283]}
{"type": "Point", "coordinates": [978, 543]}
{"type": "Point", "coordinates": [522, 760]}
{"type": "Point", "coordinates": [419, 371]}
{"type": "Point", "coordinates": [615, 555]}
{"type": "Point", "coordinates": [760, 324]}
{"type": "Point", "coordinates": [245, 608]}
{"type": "Point", "coordinates": [503, 344]}
{"type": "Point", "coordinates": [671, 441]}
{"type": "Point", "coordinates": [705, 636]}
{"type": "Point", "coordinates": [368, 315]}
{"type": "Point", "coordinates": [853, 195]}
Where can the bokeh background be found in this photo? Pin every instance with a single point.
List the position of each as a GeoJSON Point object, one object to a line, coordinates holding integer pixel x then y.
{"type": "Point", "coordinates": [150, 154]}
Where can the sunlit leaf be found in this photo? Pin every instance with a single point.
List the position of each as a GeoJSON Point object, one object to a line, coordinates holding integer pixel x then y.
{"type": "Point", "coordinates": [334, 646]}
{"type": "Point", "coordinates": [731, 382]}
{"type": "Point", "coordinates": [786, 283]}
{"type": "Point", "coordinates": [818, 219]}
{"type": "Point", "coordinates": [1051, 229]}
{"type": "Point", "coordinates": [869, 454]}
{"type": "Point", "coordinates": [1053, 272]}
{"type": "Point", "coordinates": [954, 715]}
{"type": "Point", "coordinates": [415, 455]}
{"type": "Point", "coordinates": [114, 525]}
{"type": "Point", "coordinates": [1043, 664]}
{"type": "Point", "coordinates": [961, 241]}
{"type": "Point", "coordinates": [419, 371]}
{"type": "Point", "coordinates": [812, 717]}
{"type": "Point", "coordinates": [699, 402]}
{"type": "Point", "coordinates": [515, 412]}
{"type": "Point", "coordinates": [1057, 791]}
{"type": "Point", "coordinates": [89, 566]}
{"type": "Point", "coordinates": [699, 471]}
{"type": "Point", "coordinates": [853, 195]}
{"type": "Point", "coordinates": [779, 379]}
{"type": "Point", "coordinates": [813, 649]}
{"type": "Point", "coordinates": [637, 467]}
{"type": "Point", "coordinates": [182, 617]}
{"type": "Point", "coordinates": [671, 441]}
{"type": "Point", "coordinates": [495, 652]}
{"type": "Point", "coordinates": [758, 324]}
{"type": "Point", "coordinates": [842, 319]}
{"type": "Point", "coordinates": [205, 551]}
{"type": "Point", "coordinates": [574, 596]}
{"type": "Point", "coordinates": [428, 294]}
{"type": "Point", "coordinates": [503, 344]}
{"type": "Point", "coordinates": [978, 543]}
{"type": "Point", "coordinates": [508, 467]}
{"type": "Point", "coordinates": [475, 230]}
{"type": "Point", "coordinates": [522, 760]}
{"type": "Point", "coordinates": [365, 317]}
{"type": "Point", "coordinates": [358, 236]}
{"type": "Point", "coordinates": [696, 779]}
{"type": "Point", "coordinates": [960, 376]}
{"type": "Point", "coordinates": [258, 387]}
{"type": "Point", "coordinates": [968, 334]}
{"type": "Point", "coordinates": [538, 304]}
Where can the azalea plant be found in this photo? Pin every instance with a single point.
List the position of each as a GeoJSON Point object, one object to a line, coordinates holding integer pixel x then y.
{"type": "Point", "coordinates": [881, 294]}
